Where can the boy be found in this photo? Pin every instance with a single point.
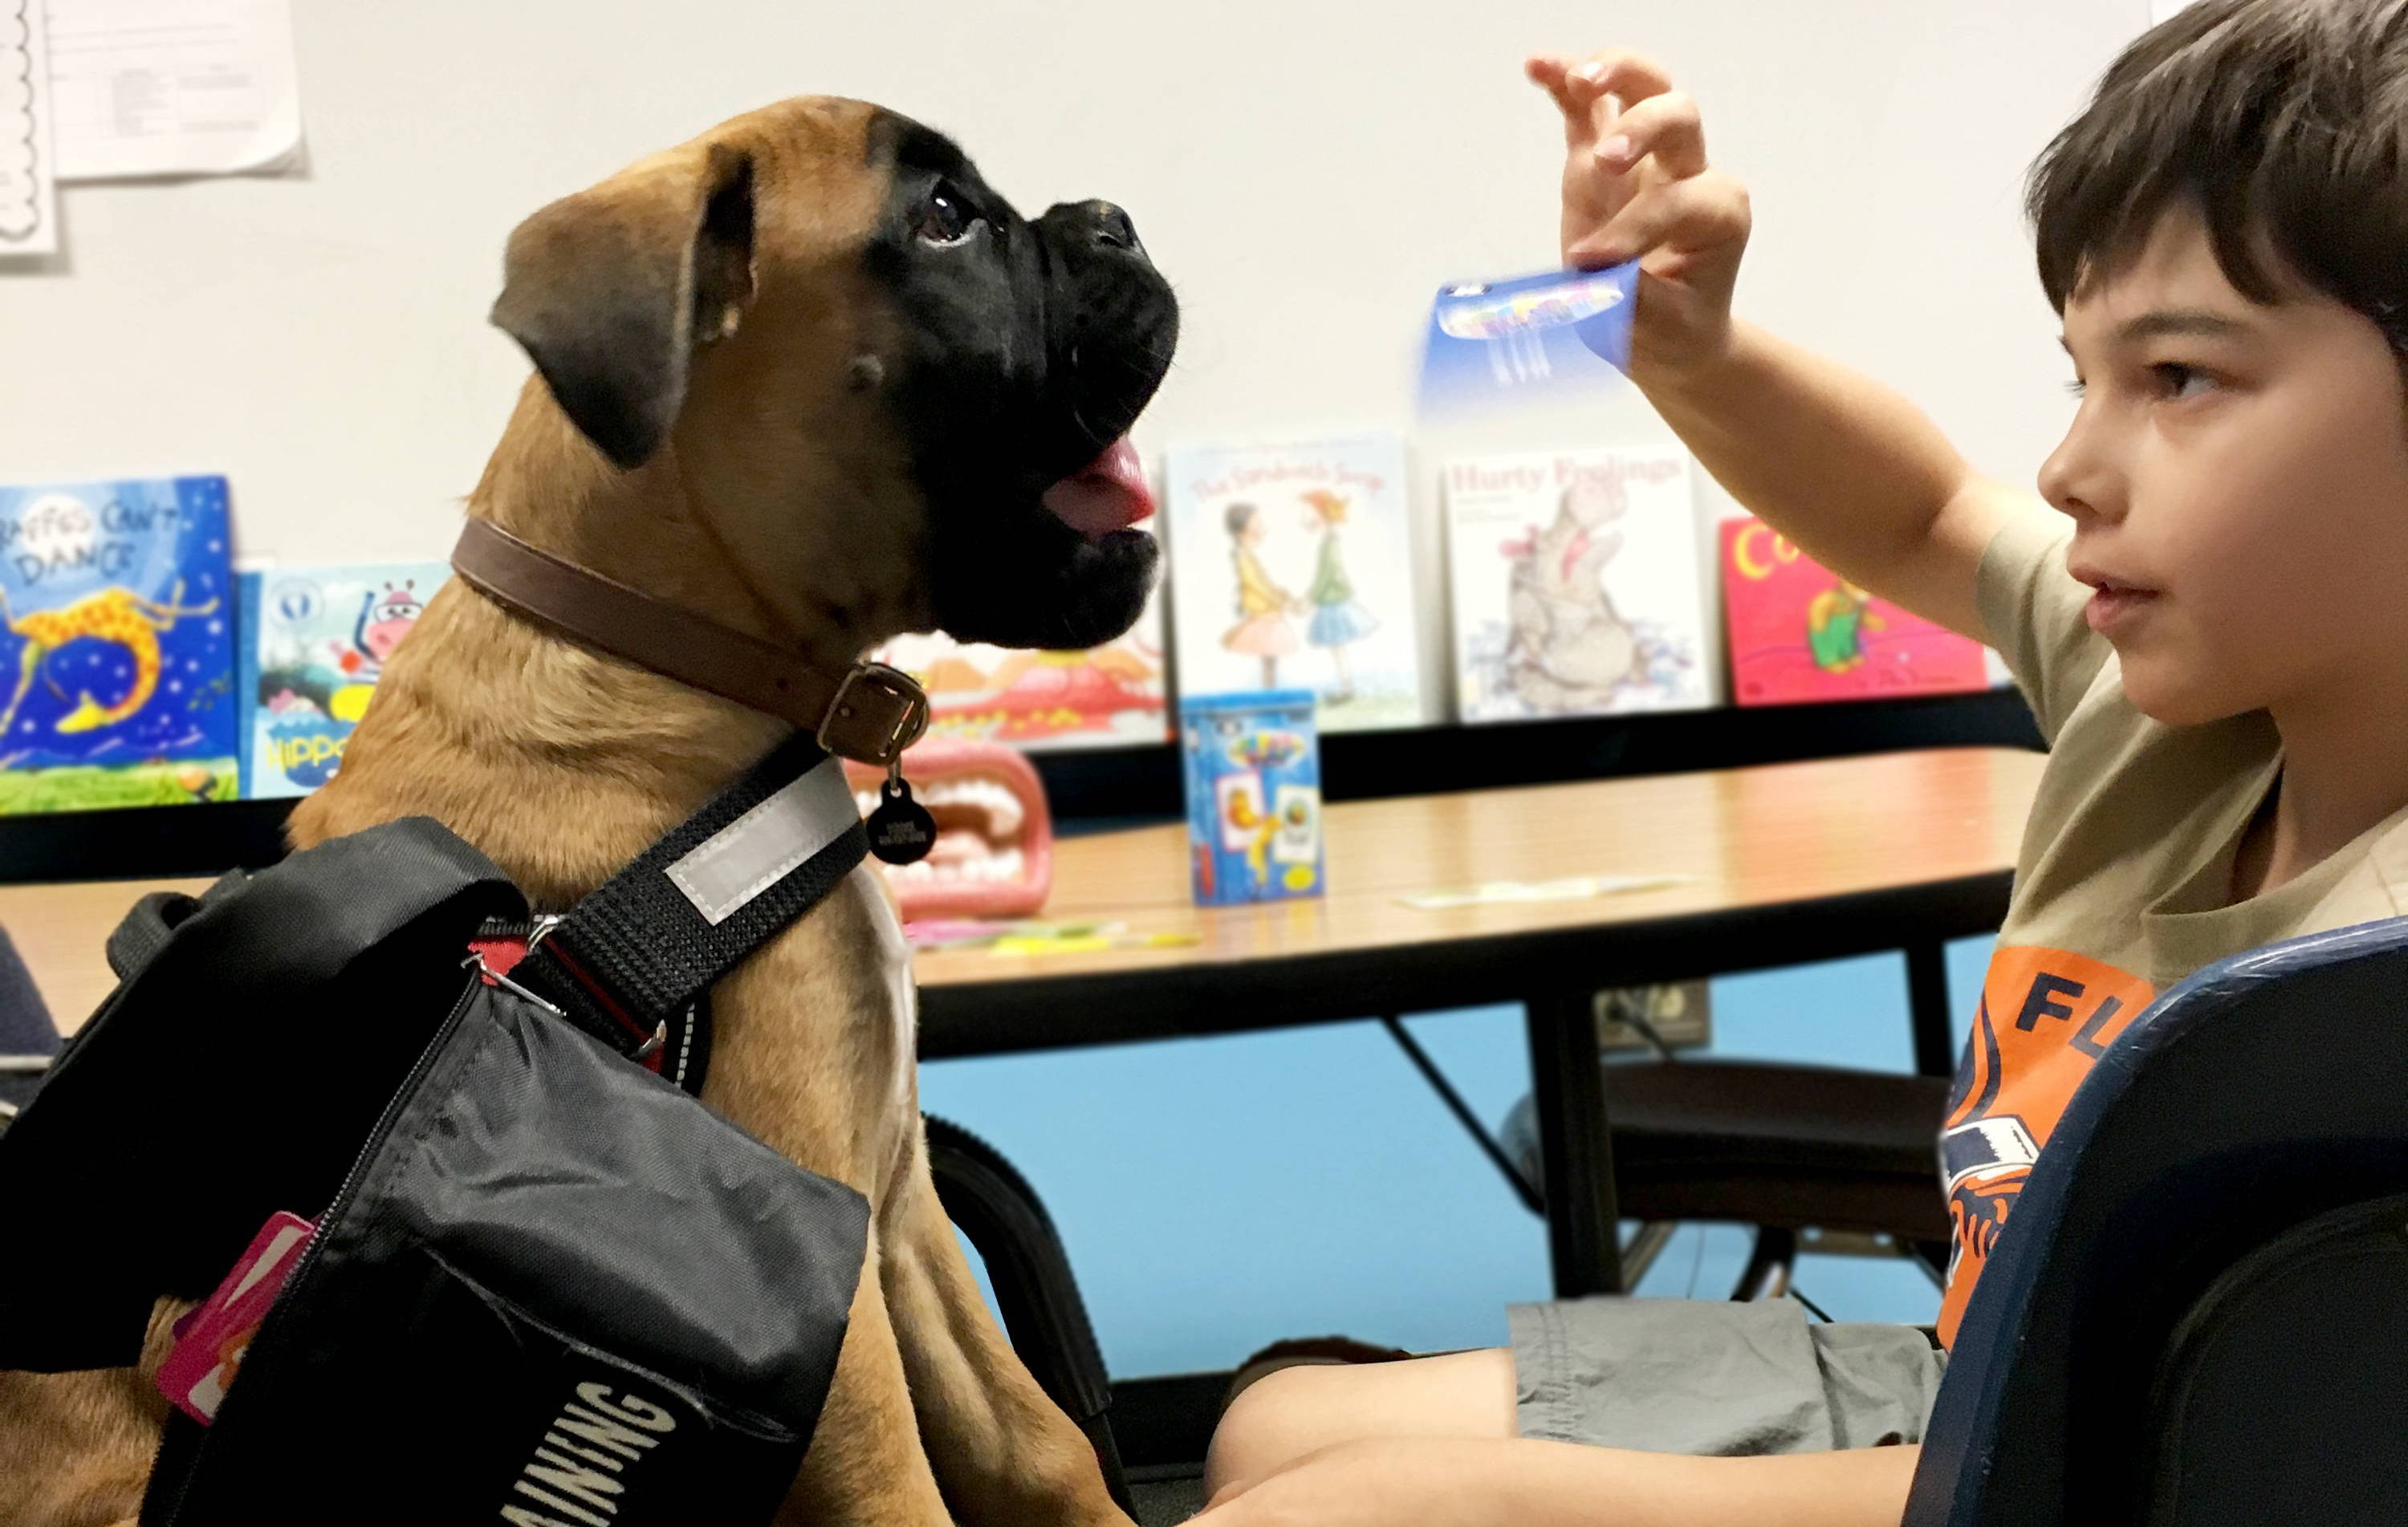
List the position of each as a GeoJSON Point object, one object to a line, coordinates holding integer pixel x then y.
{"type": "Point", "coordinates": [2206, 615]}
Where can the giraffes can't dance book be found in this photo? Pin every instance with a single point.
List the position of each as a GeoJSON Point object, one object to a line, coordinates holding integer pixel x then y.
{"type": "Point", "coordinates": [117, 647]}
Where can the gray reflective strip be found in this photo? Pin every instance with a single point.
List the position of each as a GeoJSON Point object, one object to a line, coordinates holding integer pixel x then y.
{"type": "Point", "coordinates": [764, 846]}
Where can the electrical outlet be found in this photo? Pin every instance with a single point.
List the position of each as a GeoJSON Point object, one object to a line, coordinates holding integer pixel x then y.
{"type": "Point", "coordinates": [1679, 1012]}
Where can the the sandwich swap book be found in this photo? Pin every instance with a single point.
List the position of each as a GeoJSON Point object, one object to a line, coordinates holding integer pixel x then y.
{"type": "Point", "coordinates": [1291, 566]}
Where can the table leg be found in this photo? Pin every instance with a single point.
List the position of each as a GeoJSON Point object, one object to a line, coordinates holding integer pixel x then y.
{"type": "Point", "coordinates": [1926, 997]}
{"type": "Point", "coordinates": [1575, 1151]}
{"type": "Point", "coordinates": [1523, 1188]}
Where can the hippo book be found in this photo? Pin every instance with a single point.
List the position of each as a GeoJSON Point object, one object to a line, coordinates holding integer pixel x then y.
{"type": "Point", "coordinates": [116, 645]}
{"type": "Point", "coordinates": [316, 639]}
{"type": "Point", "coordinates": [1576, 583]}
{"type": "Point", "coordinates": [1801, 633]}
{"type": "Point", "coordinates": [1291, 566]}
{"type": "Point", "coordinates": [1109, 697]}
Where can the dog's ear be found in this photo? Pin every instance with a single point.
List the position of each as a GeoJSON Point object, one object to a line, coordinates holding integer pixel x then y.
{"type": "Point", "coordinates": [611, 289]}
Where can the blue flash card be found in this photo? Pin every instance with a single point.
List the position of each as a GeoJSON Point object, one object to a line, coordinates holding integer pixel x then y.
{"type": "Point", "coordinates": [1542, 338]}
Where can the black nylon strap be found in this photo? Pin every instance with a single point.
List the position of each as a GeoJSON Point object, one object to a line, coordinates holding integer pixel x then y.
{"type": "Point", "coordinates": [635, 960]}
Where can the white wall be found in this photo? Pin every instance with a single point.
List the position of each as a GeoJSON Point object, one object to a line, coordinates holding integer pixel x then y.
{"type": "Point", "coordinates": [1304, 172]}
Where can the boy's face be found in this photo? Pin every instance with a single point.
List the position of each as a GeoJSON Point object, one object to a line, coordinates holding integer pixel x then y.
{"type": "Point", "coordinates": [2244, 470]}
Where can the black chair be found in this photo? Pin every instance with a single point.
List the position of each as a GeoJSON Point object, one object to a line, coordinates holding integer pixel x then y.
{"type": "Point", "coordinates": [2198, 1313]}
{"type": "Point", "coordinates": [994, 1205]}
{"type": "Point", "coordinates": [1784, 1148]}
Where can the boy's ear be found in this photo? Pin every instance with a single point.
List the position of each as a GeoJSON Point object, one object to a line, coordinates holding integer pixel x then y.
{"type": "Point", "coordinates": [610, 290]}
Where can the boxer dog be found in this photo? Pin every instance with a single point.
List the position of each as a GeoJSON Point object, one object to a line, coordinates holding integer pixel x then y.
{"type": "Point", "coordinates": [810, 377]}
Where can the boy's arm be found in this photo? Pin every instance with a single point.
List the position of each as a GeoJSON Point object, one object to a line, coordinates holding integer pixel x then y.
{"type": "Point", "coordinates": [1852, 473]}
{"type": "Point", "coordinates": [1849, 471]}
{"type": "Point", "coordinates": [1519, 1482]}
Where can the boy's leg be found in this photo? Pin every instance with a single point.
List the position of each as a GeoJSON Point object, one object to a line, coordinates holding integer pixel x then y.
{"type": "Point", "coordinates": [1281, 1418]}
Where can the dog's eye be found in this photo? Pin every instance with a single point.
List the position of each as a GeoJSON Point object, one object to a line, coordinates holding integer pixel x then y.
{"type": "Point", "coordinates": [945, 218]}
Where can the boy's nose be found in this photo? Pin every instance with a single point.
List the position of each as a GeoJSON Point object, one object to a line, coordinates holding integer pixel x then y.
{"type": "Point", "coordinates": [2078, 478]}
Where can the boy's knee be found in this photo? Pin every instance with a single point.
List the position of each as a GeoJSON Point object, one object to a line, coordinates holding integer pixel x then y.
{"type": "Point", "coordinates": [1275, 1420]}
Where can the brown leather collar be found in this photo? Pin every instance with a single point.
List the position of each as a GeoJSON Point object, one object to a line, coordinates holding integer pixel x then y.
{"type": "Point", "coordinates": [869, 713]}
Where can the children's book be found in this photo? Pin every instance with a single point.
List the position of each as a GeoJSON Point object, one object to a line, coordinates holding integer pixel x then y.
{"type": "Point", "coordinates": [117, 646]}
{"type": "Point", "coordinates": [1801, 633]}
{"type": "Point", "coordinates": [1576, 585]}
{"type": "Point", "coordinates": [316, 641]}
{"type": "Point", "coordinates": [1109, 696]}
{"type": "Point", "coordinates": [1291, 566]}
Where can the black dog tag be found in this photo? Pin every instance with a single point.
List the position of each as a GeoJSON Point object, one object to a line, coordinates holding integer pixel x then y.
{"type": "Point", "coordinates": [901, 831]}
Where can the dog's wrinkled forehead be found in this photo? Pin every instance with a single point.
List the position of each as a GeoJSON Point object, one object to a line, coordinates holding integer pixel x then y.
{"type": "Point", "coordinates": [966, 271]}
{"type": "Point", "coordinates": [1033, 339]}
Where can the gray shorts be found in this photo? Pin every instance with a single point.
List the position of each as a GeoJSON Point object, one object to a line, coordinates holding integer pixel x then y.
{"type": "Point", "coordinates": [1716, 1378]}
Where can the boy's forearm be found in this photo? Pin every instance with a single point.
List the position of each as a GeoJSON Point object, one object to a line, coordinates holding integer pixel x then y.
{"type": "Point", "coordinates": [1848, 470]}
{"type": "Point", "coordinates": [1561, 1484]}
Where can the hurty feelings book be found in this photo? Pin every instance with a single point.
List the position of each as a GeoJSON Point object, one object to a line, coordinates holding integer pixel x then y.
{"type": "Point", "coordinates": [1574, 576]}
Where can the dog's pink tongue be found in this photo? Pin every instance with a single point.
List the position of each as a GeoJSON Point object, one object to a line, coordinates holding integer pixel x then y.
{"type": "Point", "coordinates": [1109, 493]}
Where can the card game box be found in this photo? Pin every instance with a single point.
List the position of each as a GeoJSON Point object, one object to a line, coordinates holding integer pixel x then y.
{"type": "Point", "coordinates": [1253, 795]}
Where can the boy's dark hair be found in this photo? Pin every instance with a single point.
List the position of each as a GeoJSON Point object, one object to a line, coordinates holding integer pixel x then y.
{"type": "Point", "coordinates": [2284, 123]}
{"type": "Point", "coordinates": [1237, 517]}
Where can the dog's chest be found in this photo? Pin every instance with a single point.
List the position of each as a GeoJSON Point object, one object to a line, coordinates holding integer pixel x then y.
{"type": "Point", "coordinates": [815, 1035]}
{"type": "Point", "coordinates": [889, 964]}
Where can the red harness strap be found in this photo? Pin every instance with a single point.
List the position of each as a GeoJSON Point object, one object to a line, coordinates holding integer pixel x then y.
{"type": "Point", "coordinates": [498, 956]}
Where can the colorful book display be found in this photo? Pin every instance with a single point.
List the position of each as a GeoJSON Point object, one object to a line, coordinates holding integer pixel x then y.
{"type": "Point", "coordinates": [1801, 633]}
{"type": "Point", "coordinates": [1109, 697]}
{"type": "Point", "coordinates": [316, 639]}
{"type": "Point", "coordinates": [116, 645]}
{"type": "Point", "coordinates": [1575, 582]}
{"type": "Point", "coordinates": [1292, 566]}
{"type": "Point", "coordinates": [1253, 768]}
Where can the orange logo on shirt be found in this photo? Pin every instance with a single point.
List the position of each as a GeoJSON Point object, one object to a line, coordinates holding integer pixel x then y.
{"type": "Point", "coordinates": [2046, 1016]}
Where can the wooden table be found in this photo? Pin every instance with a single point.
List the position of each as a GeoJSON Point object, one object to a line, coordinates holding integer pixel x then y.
{"type": "Point", "coordinates": [1785, 864]}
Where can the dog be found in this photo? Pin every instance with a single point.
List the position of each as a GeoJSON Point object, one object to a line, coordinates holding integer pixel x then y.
{"type": "Point", "coordinates": [808, 376]}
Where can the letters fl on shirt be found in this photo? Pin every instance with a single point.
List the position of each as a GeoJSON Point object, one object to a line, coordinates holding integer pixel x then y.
{"type": "Point", "coordinates": [2045, 1016]}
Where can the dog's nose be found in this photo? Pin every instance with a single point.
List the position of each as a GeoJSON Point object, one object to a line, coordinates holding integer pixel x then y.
{"type": "Point", "coordinates": [1114, 229]}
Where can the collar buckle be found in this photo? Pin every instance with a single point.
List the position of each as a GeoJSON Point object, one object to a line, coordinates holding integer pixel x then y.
{"type": "Point", "coordinates": [877, 712]}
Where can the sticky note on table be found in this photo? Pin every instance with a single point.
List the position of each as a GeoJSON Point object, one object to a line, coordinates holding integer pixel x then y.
{"type": "Point", "coordinates": [1572, 888]}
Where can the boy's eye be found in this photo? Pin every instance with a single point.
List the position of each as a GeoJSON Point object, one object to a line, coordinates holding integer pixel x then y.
{"type": "Point", "coordinates": [2175, 381]}
{"type": "Point", "coordinates": [2077, 387]}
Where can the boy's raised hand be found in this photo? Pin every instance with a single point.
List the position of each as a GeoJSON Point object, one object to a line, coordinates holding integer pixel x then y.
{"type": "Point", "coordinates": [1637, 186]}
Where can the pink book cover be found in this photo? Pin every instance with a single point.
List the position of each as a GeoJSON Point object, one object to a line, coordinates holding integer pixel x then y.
{"type": "Point", "coordinates": [1801, 633]}
{"type": "Point", "coordinates": [1110, 696]}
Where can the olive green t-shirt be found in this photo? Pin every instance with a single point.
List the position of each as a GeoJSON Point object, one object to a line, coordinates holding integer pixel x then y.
{"type": "Point", "coordinates": [2123, 881]}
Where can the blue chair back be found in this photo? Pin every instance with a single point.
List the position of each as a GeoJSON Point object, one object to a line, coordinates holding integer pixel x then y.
{"type": "Point", "coordinates": [2197, 1311]}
